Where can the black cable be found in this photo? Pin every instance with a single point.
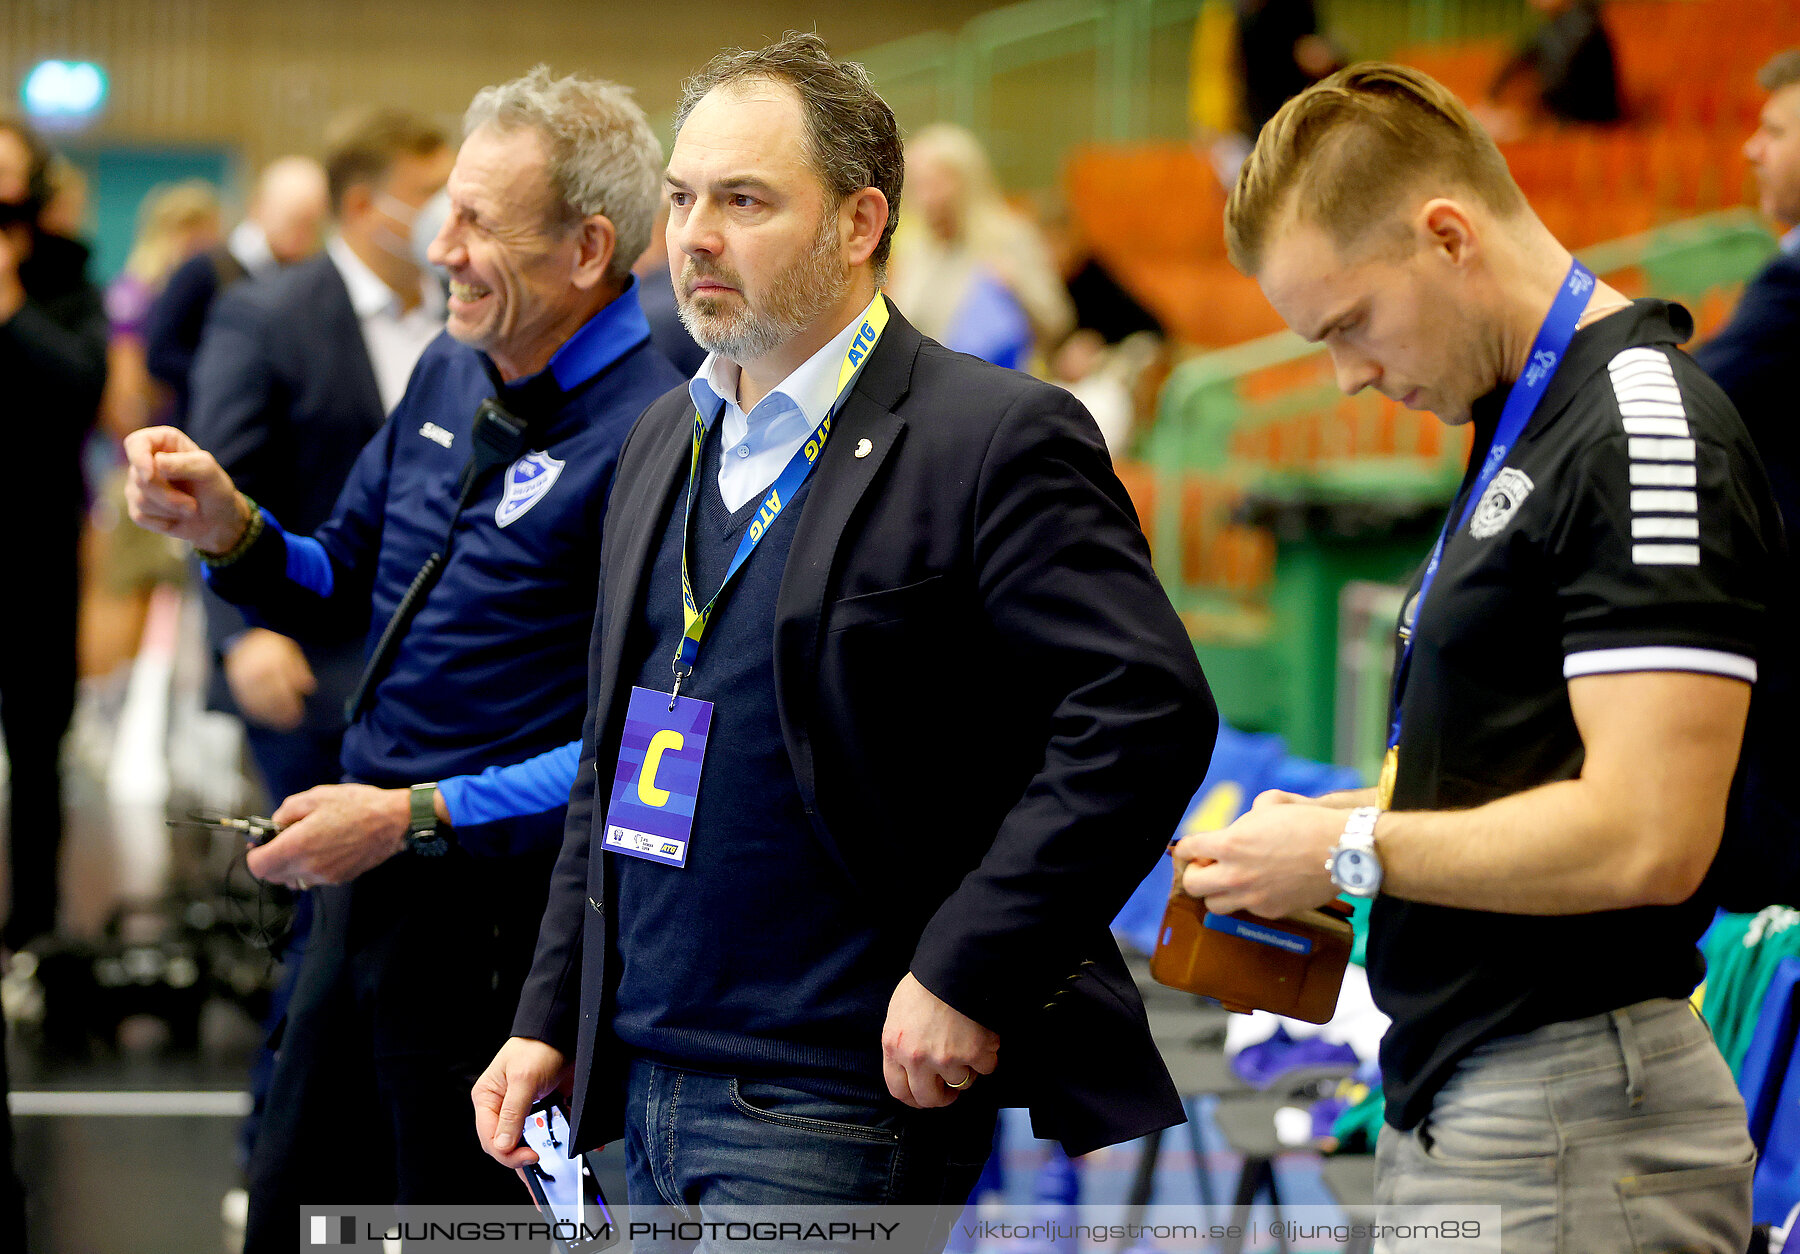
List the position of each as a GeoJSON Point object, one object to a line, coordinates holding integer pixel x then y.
{"type": "Point", "coordinates": [498, 438]}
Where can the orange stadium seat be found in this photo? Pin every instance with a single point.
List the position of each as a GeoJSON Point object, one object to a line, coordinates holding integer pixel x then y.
{"type": "Point", "coordinates": [1154, 213]}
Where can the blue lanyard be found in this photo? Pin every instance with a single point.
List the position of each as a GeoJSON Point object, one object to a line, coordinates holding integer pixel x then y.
{"type": "Point", "coordinates": [696, 617]}
{"type": "Point", "coordinates": [1547, 352]}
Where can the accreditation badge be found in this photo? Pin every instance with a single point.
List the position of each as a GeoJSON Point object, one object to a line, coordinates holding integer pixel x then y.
{"type": "Point", "coordinates": [1390, 771]}
{"type": "Point", "coordinates": [655, 784]}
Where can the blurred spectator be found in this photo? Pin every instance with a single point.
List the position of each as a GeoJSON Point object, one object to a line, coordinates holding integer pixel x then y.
{"type": "Point", "coordinates": [1115, 358]}
{"type": "Point", "coordinates": [656, 293]}
{"type": "Point", "coordinates": [1753, 357]}
{"type": "Point", "coordinates": [122, 564]}
{"type": "Point", "coordinates": [1753, 360]}
{"type": "Point", "coordinates": [287, 211]}
{"type": "Point", "coordinates": [1101, 303]}
{"type": "Point", "coordinates": [971, 272]}
{"type": "Point", "coordinates": [1280, 55]}
{"type": "Point", "coordinates": [175, 224]}
{"type": "Point", "coordinates": [65, 212]}
{"type": "Point", "coordinates": [1569, 61]}
{"type": "Point", "coordinates": [53, 359]}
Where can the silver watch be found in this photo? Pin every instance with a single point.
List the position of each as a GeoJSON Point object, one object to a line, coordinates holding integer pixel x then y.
{"type": "Point", "coordinates": [1354, 865]}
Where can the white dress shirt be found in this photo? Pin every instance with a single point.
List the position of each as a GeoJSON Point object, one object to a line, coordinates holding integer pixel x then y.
{"type": "Point", "coordinates": [755, 448]}
{"type": "Point", "coordinates": [393, 336]}
{"type": "Point", "coordinates": [250, 245]}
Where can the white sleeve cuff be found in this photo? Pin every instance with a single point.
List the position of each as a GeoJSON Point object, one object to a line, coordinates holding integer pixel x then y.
{"type": "Point", "coordinates": [1659, 658]}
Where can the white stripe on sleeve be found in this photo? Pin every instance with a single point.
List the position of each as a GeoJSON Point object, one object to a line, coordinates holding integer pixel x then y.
{"type": "Point", "coordinates": [1659, 658]}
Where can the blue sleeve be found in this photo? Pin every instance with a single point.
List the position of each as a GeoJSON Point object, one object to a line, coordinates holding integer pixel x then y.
{"type": "Point", "coordinates": [317, 588]}
{"type": "Point", "coordinates": [504, 792]}
{"type": "Point", "coordinates": [991, 324]}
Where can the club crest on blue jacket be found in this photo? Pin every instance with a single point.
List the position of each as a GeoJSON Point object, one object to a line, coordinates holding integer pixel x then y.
{"type": "Point", "coordinates": [527, 480]}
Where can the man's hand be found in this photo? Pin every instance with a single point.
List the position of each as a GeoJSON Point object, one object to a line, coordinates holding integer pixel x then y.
{"type": "Point", "coordinates": [269, 679]}
{"type": "Point", "coordinates": [1270, 862]}
{"type": "Point", "coordinates": [175, 488]}
{"type": "Point", "coordinates": [522, 1072]}
{"type": "Point", "coordinates": [332, 834]}
{"type": "Point", "coordinates": [931, 1051]}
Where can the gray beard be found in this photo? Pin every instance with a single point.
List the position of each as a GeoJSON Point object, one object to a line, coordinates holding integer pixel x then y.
{"type": "Point", "coordinates": [796, 297]}
{"type": "Point", "coordinates": [739, 338]}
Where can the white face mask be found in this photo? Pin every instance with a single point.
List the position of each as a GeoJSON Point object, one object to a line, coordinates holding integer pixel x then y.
{"type": "Point", "coordinates": [422, 225]}
{"type": "Point", "coordinates": [427, 221]}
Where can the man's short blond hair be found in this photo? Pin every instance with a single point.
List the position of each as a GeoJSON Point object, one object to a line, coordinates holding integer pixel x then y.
{"type": "Point", "coordinates": [1345, 153]}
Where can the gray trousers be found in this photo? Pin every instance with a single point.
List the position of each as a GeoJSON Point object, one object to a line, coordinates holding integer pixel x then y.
{"type": "Point", "coordinates": [1622, 1132]}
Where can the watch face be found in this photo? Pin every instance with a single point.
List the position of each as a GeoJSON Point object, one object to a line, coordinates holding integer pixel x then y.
{"type": "Point", "coordinates": [1357, 870]}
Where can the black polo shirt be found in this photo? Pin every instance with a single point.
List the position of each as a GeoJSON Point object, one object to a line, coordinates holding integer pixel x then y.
{"type": "Point", "coordinates": [1630, 530]}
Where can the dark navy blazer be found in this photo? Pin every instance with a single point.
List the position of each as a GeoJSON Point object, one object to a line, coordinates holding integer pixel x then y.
{"type": "Point", "coordinates": [1756, 360]}
{"type": "Point", "coordinates": [994, 717]}
{"type": "Point", "coordinates": [283, 395]}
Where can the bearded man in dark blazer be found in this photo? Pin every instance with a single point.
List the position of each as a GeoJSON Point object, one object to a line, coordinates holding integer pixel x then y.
{"type": "Point", "coordinates": [887, 716]}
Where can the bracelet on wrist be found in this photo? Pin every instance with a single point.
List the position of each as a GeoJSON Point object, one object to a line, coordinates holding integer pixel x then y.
{"type": "Point", "coordinates": [252, 530]}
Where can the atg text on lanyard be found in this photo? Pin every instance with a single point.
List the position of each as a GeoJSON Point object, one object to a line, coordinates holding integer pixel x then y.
{"type": "Point", "coordinates": [695, 616]}
{"type": "Point", "coordinates": [662, 753]}
{"type": "Point", "coordinates": [1547, 353]}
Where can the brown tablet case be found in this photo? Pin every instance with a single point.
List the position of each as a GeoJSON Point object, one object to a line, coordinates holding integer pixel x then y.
{"type": "Point", "coordinates": [1292, 966]}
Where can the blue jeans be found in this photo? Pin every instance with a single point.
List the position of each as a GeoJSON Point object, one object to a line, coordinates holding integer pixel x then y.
{"type": "Point", "coordinates": [1618, 1134]}
{"type": "Point", "coordinates": [697, 1142]}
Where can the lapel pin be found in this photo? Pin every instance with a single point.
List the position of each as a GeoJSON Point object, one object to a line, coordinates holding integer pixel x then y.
{"type": "Point", "coordinates": [864, 448]}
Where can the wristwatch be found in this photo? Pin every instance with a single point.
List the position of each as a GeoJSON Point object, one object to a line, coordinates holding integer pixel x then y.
{"type": "Point", "coordinates": [1354, 865]}
{"type": "Point", "coordinates": [424, 835]}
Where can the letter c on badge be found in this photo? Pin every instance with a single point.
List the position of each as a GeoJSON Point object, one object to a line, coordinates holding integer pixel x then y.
{"type": "Point", "coordinates": [661, 743]}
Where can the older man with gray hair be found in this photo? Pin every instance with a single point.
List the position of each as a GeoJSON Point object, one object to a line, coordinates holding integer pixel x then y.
{"type": "Point", "coordinates": [465, 550]}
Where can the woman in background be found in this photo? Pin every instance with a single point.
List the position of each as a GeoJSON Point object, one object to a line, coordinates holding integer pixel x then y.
{"type": "Point", "coordinates": [968, 270]}
{"type": "Point", "coordinates": [122, 564]}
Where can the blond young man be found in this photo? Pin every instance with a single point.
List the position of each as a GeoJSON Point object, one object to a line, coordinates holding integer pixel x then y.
{"type": "Point", "coordinates": [1577, 659]}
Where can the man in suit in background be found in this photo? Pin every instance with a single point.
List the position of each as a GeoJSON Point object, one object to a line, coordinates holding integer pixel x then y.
{"type": "Point", "coordinates": [1752, 359]}
{"type": "Point", "coordinates": [955, 720]}
{"type": "Point", "coordinates": [295, 373]}
{"type": "Point", "coordinates": [282, 225]}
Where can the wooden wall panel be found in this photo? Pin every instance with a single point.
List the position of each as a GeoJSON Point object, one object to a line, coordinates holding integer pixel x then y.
{"type": "Point", "coordinates": [264, 76]}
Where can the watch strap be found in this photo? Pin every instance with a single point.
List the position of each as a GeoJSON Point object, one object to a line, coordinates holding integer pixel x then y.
{"type": "Point", "coordinates": [1359, 828]}
{"type": "Point", "coordinates": [424, 833]}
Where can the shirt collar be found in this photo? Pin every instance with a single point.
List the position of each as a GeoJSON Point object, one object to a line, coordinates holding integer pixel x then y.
{"type": "Point", "coordinates": [250, 245]}
{"type": "Point", "coordinates": [370, 295]}
{"type": "Point", "coordinates": [811, 388]}
{"type": "Point", "coordinates": [1647, 322]}
{"type": "Point", "coordinates": [615, 330]}
{"type": "Point", "coordinates": [1790, 243]}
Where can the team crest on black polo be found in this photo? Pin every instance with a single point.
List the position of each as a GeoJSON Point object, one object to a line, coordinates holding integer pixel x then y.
{"type": "Point", "coordinates": [1499, 503]}
{"type": "Point", "coordinates": [527, 480]}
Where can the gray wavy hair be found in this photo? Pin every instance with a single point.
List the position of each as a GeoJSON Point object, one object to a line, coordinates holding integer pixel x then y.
{"type": "Point", "coordinates": [603, 156]}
